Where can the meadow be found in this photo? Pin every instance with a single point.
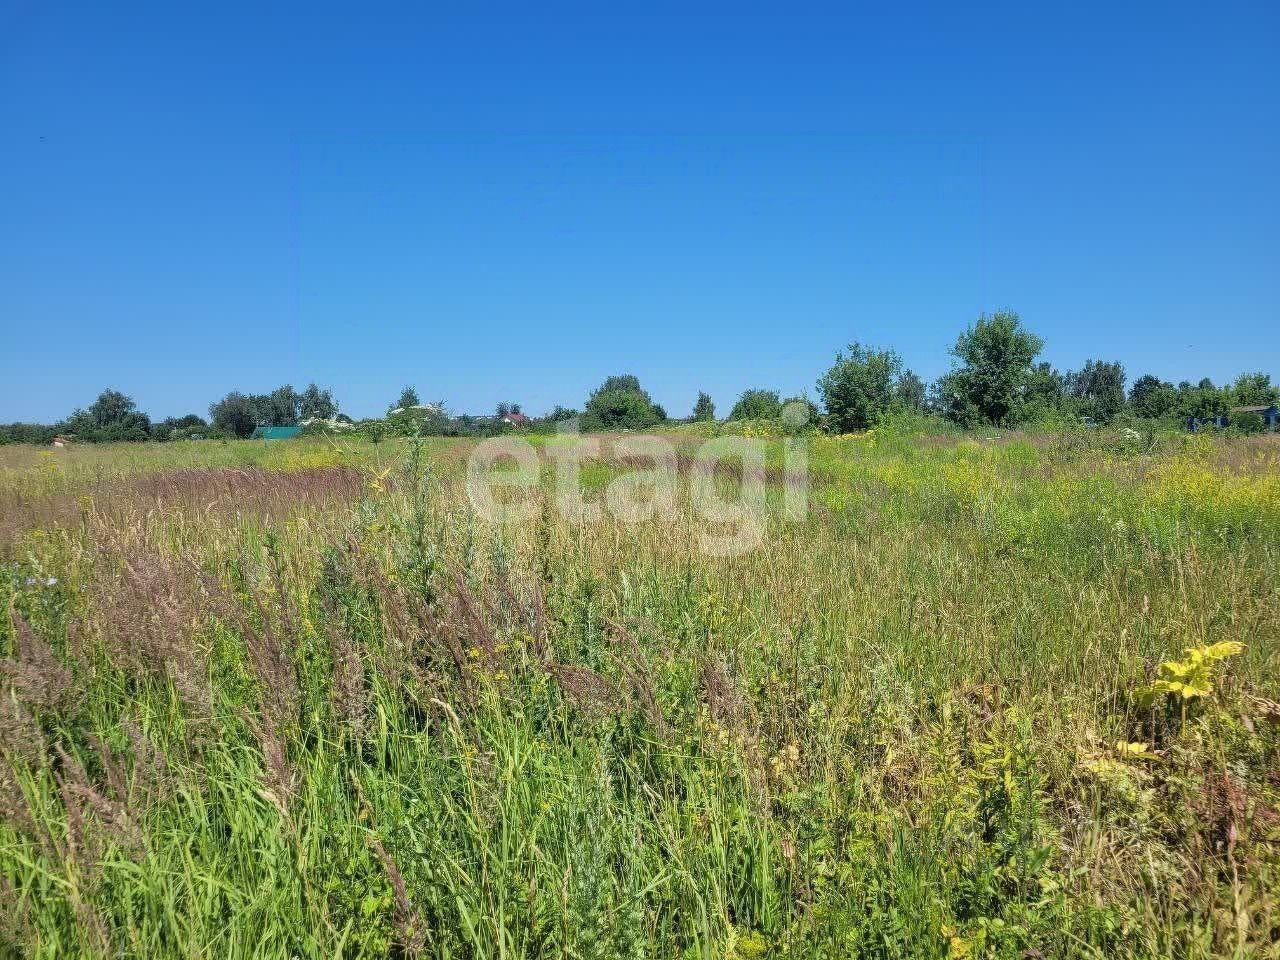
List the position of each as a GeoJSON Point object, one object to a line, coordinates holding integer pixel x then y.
{"type": "Point", "coordinates": [995, 696]}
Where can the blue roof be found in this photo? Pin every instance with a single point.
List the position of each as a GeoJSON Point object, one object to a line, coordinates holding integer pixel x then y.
{"type": "Point", "coordinates": [276, 433]}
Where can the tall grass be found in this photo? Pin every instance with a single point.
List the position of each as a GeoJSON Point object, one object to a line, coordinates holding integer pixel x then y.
{"type": "Point", "coordinates": [325, 716]}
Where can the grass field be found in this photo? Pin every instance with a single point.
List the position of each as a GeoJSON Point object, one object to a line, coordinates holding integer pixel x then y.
{"type": "Point", "coordinates": [297, 700]}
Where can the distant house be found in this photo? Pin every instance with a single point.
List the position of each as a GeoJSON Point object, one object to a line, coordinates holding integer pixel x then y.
{"type": "Point", "coordinates": [276, 433]}
{"type": "Point", "coordinates": [1270, 414]}
{"type": "Point", "coordinates": [59, 442]}
{"type": "Point", "coordinates": [1218, 420]}
{"type": "Point", "coordinates": [515, 419]}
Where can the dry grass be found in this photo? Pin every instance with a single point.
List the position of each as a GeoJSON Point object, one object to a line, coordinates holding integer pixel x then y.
{"type": "Point", "coordinates": [298, 708]}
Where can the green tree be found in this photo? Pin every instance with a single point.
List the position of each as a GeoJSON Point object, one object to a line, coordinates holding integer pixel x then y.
{"type": "Point", "coordinates": [112, 406]}
{"type": "Point", "coordinates": [179, 428]}
{"type": "Point", "coordinates": [704, 409]}
{"type": "Point", "coordinates": [859, 387]}
{"type": "Point", "coordinates": [621, 381]}
{"type": "Point", "coordinates": [1152, 397]}
{"type": "Point", "coordinates": [37, 433]}
{"type": "Point", "coordinates": [1202, 401]}
{"type": "Point", "coordinates": [234, 414]}
{"type": "Point", "coordinates": [1254, 390]}
{"type": "Point", "coordinates": [316, 404]}
{"type": "Point", "coordinates": [1099, 387]}
{"type": "Point", "coordinates": [994, 359]}
{"type": "Point", "coordinates": [1043, 395]}
{"type": "Point", "coordinates": [620, 403]}
{"type": "Point", "coordinates": [113, 417]}
{"type": "Point", "coordinates": [909, 392]}
{"type": "Point", "coordinates": [757, 404]}
{"type": "Point", "coordinates": [279, 408]}
{"type": "Point", "coordinates": [408, 398]}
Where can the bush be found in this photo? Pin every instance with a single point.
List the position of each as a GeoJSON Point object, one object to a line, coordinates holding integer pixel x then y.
{"type": "Point", "coordinates": [619, 410]}
{"type": "Point", "coordinates": [620, 403]}
{"type": "Point", "coordinates": [860, 387]}
{"type": "Point", "coordinates": [37, 433]}
{"type": "Point", "coordinates": [757, 405]}
{"type": "Point", "coordinates": [994, 359]}
{"type": "Point", "coordinates": [1246, 422]}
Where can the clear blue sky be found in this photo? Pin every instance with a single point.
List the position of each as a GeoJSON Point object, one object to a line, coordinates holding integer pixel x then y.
{"type": "Point", "coordinates": [498, 203]}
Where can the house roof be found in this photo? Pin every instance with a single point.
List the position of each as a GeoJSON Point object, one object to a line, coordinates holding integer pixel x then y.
{"type": "Point", "coordinates": [1263, 409]}
{"type": "Point", "coordinates": [276, 433]}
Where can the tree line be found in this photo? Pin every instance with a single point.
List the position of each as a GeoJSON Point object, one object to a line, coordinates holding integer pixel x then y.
{"type": "Point", "coordinates": [996, 379]}
{"type": "Point", "coordinates": [115, 418]}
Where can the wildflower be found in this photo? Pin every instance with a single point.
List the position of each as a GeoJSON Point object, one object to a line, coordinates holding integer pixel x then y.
{"type": "Point", "coordinates": [1191, 678]}
{"type": "Point", "coordinates": [1133, 749]}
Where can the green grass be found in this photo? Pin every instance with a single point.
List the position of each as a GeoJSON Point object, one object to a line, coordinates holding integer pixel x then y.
{"type": "Point", "coordinates": [362, 722]}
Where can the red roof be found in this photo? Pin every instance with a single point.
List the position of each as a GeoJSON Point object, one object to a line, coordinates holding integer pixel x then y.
{"type": "Point", "coordinates": [516, 418]}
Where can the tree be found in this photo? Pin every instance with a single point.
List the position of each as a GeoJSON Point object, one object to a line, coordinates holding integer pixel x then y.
{"type": "Point", "coordinates": [1201, 401]}
{"type": "Point", "coordinates": [1152, 397]}
{"type": "Point", "coordinates": [504, 410]}
{"type": "Point", "coordinates": [112, 406]}
{"type": "Point", "coordinates": [179, 428]}
{"type": "Point", "coordinates": [408, 398]}
{"type": "Point", "coordinates": [994, 362]}
{"type": "Point", "coordinates": [757, 404]}
{"type": "Point", "coordinates": [113, 417]}
{"type": "Point", "coordinates": [234, 414]}
{"type": "Point", "coordinates": [909, 392]}
{"type": "Point", "coordinates": [316, 404]}
{"type": "Point", "coordinates": [37, 433]}
{"type": "Point", "coordinates": [704, 409]}
{"type": "Point", "coordinates": [279, 408]}
{"type": "Point", "coordinates": [1099, 385]}
{"type": "Point", "coordinates": [620, 403]}
{"type": "Point", "coordinates": [1254, 390]}
{"type": "Point", "coordinates": [1043, 395]}
{"type": "Point", "coordinates": [859, 387]}
{"type": "Point", "coordinates": [621, 381]}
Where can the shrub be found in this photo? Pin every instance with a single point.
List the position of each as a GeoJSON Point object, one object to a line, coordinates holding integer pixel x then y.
{"type": "Point", "coordinates": [620, 403]}
{"type": "Point", "coordinates": [859, 387]}
{"type": "Point", "coordinates": [757, 404]}
{"type": "Point", "coordinates": [994, 365]}
{"type": "Point", "coordinates": [704, 409]}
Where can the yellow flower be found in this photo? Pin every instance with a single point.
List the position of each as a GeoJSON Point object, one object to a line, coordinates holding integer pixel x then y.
{"type": "Point", "coordinates": [1132, 749]}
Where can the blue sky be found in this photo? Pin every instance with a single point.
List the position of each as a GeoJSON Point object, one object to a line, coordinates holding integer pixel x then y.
{"type": "Point", "coordinates": [509, 203]}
